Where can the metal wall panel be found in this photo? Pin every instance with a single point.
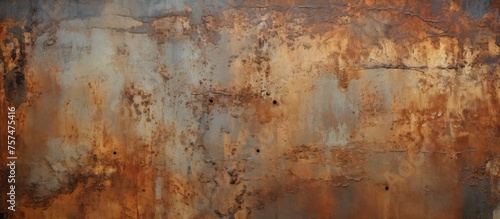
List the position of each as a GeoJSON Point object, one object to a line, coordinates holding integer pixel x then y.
{"type": "Point", "coordinates": [252, 108]}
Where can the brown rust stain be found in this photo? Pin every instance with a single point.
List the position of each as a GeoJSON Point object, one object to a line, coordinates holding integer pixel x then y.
{"type": "Point", "coordinates": [256, 109]}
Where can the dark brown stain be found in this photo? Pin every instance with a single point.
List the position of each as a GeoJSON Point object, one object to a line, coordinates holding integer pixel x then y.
{"type": "Point", "coordinates": [15, 86]}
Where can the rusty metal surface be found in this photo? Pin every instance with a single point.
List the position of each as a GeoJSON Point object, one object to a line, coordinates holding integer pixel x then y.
{"type": "Point", "coordinates": [253, 108]}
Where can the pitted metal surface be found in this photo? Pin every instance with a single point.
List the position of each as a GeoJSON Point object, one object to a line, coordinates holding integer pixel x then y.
{"type": "Point", "coordinates": [253, 108]}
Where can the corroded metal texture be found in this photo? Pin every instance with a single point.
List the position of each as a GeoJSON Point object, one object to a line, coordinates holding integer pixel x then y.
{"type": "Point", "coordinates": [253, 108]}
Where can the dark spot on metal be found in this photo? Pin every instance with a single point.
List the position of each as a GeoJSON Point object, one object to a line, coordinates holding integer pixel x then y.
{"type": "Point", "coordinates": [211, 100]}
{"type": "Point", "coordinates": [114, 152]}
{"type": "Point", "coordinates": [387, 188]}
{"type": "Point", "coordinates": [15, 86]}
{"type": "Point", "coordinates": [258, 150]}
{"type": "Point", "coordinates": [13, 53]}
{"type": "Point", "coordinates": [492, 60]}
{"type": "Point", "coordinates": [234, 176]}
{"type": "Point", "coordinates": [218, 213]}
{"type": "Point", "coordinates": [275, 102]}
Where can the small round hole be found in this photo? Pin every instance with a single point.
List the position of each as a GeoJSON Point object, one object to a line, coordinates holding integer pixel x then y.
{"type": "Point", "coordinates": [386, 188]}
{"type": "Point", "coordinates": [258, 150]}
{"type": "Point", "coordinates": [275, 102]}
{"type": "Point", "coordinates": [211, 100]}
{"type": "Point", "coordinates": [114, 152]}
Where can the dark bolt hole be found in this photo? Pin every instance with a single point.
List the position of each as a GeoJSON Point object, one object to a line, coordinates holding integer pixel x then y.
{"type": "Point", "coordinates": [275, 102]}
{"type": "Point", "coordinates": [114, 152]}
{"type": "Point", "coordinates": [386, 188]}
{"type": "Point", "coordinates": [258, 150]}
{"type": "Point", "coordinates": [211, 100]}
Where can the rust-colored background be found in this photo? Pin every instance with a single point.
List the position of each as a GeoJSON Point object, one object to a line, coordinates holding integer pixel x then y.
{"type": "Point", "coordinates": [252, 108]}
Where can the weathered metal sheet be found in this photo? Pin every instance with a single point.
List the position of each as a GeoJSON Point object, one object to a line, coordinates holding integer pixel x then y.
{"type": "Point", "coordinates": [252, 108]}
